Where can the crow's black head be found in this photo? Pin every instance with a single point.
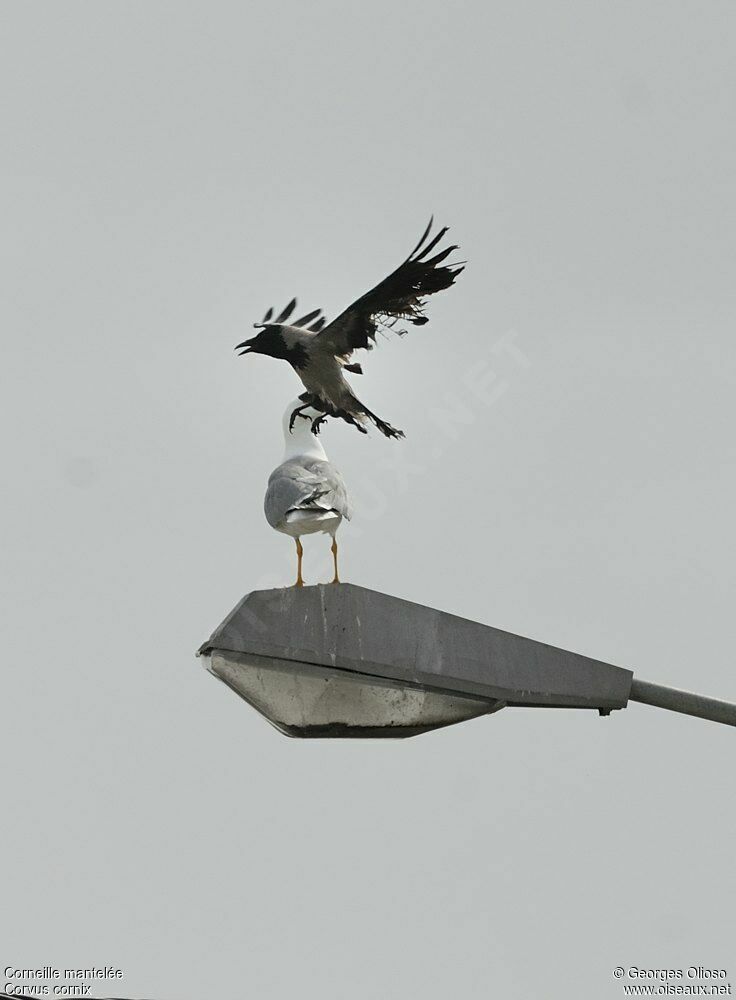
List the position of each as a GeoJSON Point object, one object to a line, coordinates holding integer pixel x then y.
{"type": "Point", "coordinates": [271, 341]}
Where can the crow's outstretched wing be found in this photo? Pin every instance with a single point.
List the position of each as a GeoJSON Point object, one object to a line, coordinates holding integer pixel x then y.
{"type": "Point", "coordinates": [313, 320]}
{"type": "Point", "coordinates": [400, 296]}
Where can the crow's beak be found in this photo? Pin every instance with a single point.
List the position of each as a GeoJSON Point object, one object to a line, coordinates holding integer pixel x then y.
{"type": "Point", "coordinates": [247, 344]}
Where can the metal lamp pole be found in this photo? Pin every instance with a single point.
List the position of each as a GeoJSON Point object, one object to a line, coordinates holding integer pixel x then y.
{"type": "Point", "coordinates": [684, 702]}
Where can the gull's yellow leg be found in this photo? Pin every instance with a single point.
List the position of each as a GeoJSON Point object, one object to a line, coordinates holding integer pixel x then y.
{"type": "Point", "coordinates": [333, 548]}
{"type": "Point", "coordinates": [299, 554]}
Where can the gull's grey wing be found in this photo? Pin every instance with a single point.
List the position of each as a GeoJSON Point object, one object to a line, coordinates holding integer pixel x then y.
{"type": "Point", "coordinates": [305, 484]}
{"type": "Point", "coordinates": [400, 296]}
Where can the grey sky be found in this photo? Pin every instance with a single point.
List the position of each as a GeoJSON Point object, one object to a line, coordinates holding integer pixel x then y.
{"type": "Point", "coordinates": [169, 171]}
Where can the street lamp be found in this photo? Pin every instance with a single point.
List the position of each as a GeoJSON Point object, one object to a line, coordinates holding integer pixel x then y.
{"type": "Point", "coordinates": [343, 661]}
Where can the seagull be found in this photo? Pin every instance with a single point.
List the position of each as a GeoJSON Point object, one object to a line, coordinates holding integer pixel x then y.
{"type": "Point", "coordinates": [320, 352]}
{"type": "Point", "coordinates": [305, 493]}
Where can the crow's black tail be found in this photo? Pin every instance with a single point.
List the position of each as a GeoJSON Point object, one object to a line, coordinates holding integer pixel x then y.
{"type": "Point", "coordinates": [385, 428]}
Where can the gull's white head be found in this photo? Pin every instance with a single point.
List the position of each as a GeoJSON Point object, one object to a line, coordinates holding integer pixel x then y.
{"type": "Point", "coordinates": [300, 441]}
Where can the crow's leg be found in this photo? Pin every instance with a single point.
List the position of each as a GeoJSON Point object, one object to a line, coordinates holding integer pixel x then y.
{"type": "Point", "coordinates": [298, 411]}
{"type": "Point", "coordinates": [299, 554]}
{"type": "Point", "coordinates": [326, 410]}
{"type": "Point", "coordinates": [317, 423]}
{"type": "Point", "coordinates": [333, 549]}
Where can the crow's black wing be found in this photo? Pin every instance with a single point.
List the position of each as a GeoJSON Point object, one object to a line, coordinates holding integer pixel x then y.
{"type": "Point", "coordinates": [313, 320]}
{"type": "Point", "coordinates": [400, 296]}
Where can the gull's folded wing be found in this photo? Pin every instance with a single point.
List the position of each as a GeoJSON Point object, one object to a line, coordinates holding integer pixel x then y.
{"type": "Point", "coordinates": [400, 296]}
{"type": "Point", "coordinates": [305, 484]}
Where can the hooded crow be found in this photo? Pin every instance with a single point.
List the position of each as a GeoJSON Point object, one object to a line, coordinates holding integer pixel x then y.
{"type": "Point", "coordinates": [320, 352]}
